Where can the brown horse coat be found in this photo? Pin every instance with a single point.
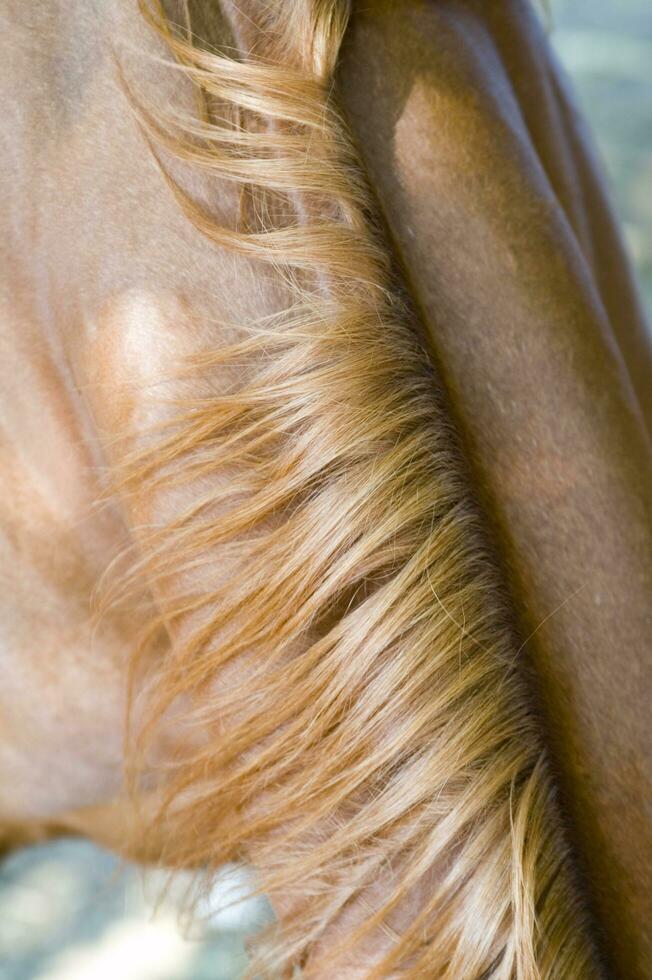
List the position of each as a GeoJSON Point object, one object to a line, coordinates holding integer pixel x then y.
{"type": "Point", "coordinates": [510, 254]}
{"type": "Point", "coordinates": [498, 214]}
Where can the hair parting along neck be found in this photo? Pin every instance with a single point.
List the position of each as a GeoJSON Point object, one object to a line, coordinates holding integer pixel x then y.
{"type": "Point", "coordinates": [373, 752]}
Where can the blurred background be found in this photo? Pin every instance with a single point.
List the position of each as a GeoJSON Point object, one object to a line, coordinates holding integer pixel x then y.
{"type": "Point", "coordinates": [69, 911]}
{"type": "Point", "coordinates": [606, 47]}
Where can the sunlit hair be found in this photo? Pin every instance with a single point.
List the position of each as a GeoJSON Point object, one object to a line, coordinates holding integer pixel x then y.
{"type": "Point", "coordinates": [374, 752]}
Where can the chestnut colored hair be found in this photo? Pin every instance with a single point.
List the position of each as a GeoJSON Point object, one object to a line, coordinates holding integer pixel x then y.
{"type": "Point", "coordinates": [367, 741]}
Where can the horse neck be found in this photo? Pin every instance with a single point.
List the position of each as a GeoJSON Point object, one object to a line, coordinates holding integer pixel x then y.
{"type": "Point", "coordinates": [296, 505]}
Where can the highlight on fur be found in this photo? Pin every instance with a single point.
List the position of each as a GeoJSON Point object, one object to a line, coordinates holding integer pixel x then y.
{"type": "Point", "coordinates": [365, 738]}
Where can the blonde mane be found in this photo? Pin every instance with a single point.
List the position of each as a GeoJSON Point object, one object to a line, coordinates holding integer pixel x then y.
{"type": "Point", "coordinates": [373, 751]}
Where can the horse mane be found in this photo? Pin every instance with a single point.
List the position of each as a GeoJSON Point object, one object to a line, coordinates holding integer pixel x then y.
{"type": "Point", "coordinates": [373, 750]}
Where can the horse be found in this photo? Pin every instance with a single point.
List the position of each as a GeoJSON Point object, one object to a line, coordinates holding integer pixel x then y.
{"type": "Point", "coordinates": [325, 524]}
